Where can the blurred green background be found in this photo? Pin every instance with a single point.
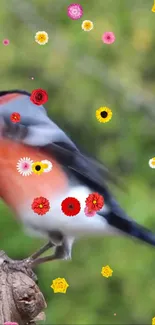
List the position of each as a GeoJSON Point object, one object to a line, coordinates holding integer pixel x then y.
{"type": "Point", "coordinates": [81, 73]}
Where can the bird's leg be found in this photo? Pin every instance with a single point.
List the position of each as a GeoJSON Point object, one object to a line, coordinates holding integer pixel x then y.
{"type": "Point", "coordinates": [41, 250]}
{"type": "Point", "coordinates": [56, 240]}
{"type": "Point", "coordinates": [62, 252]}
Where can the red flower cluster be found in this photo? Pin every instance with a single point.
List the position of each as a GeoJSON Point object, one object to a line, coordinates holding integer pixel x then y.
{"type": "Point", "coordinates": [94, 202]}
{"type": "Point", "coordinates": [40, 205]}
{"type": "Point", "coordinates": [70, 206]}
{"type": "Point", "coordinates": [15, 117]}
{"type": "Point", "coordinates": [39, 96]}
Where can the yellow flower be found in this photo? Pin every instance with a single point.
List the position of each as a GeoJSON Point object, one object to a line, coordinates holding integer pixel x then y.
{"type": "Point", "coordinates": [38, 167]}
{"type": "Point", "coordinates": [59, 285]}
{"type": "Point", "coordinates": [87, 25]}
{"type": "Point", "coordinates": [152, 162]}
{"type": "Point", "coordinates": [153, 321]}
{"type": "Point", "coordinates": [106, 271]}
{"type": "Point", "coordinates": [103, 114]}
{"type": "Point", "coordinates": [153, 8]}
{"type": "Point", "coordinates": [41, 38]}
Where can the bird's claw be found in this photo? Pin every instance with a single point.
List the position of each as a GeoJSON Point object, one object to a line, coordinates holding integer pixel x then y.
{"type": "Point", "coordinates": [23, 266]}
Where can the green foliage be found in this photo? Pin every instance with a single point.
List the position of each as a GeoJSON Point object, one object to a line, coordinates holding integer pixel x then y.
{"type": "Point", "coordinates": [81, 74]}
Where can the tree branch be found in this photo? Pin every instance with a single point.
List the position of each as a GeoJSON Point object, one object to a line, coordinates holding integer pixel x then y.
{"type": "Point", "coordinates": [21, 300]}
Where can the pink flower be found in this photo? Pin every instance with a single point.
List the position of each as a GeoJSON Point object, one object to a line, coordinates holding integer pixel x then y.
{"type": "Point", "coordinates": [108, 38]}
{"type": "Point", "coordinates": [75, 11]}
{"type": "Point", "coordinates": [89, 213]}
{"type": "Point", "coordinates": [10, 323]}
{"type": "Point", "coordinates": [24, 166]}
{"type": "Point", "coordinates": [6, 42]}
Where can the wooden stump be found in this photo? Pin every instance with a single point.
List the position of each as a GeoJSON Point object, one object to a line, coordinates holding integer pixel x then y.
{"type": "Point", "coordinates": [21, 300]}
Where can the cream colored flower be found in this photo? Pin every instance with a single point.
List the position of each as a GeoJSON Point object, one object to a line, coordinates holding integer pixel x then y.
{"type": "Point", "coordinates": [106, 271]}
{"type": "Point", "coordinates": [87, 25]}
{"type": "Point", "coordinates": [47, 165]}
{"type": "Point", "coordinates": [152, 162]}
{"type": "Point", "coordinates": [41, 38]}
{"type": "Point", "coordinates": [59, 285]}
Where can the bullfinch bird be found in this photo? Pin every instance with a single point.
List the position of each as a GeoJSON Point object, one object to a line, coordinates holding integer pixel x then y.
{"type": "Point", "coordinates": [73, 175]}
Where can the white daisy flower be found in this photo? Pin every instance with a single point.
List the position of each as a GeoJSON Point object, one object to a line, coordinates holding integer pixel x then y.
{"type": "Point", "coordinates": [152, 162]}
{"type": "Point", "coordinates": [24, 166]}
{"type": "Point", "coordinates": [47, 166]}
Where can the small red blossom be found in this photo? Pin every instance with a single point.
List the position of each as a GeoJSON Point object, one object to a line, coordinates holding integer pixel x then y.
{"type": "Point", "coordinates": [70, 206]}
{"type": "Point", "coordinates": [40, 205]}
{"type": "Point", "coordinates": [15, 117]}
{"type": "Point", "coordinates": [94, 201]}
{"type": "Point", "coordinates": [39, 96]}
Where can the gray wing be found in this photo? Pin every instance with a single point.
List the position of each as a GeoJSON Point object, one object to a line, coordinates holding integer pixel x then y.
{"type": "Point", "coordinates": [37, 129]}
{"type": "Point", "coordinates": [88, 170]}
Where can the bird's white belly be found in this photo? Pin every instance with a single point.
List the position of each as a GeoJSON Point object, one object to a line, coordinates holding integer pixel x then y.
{"type": "Point", "coordinates": [55, 219]}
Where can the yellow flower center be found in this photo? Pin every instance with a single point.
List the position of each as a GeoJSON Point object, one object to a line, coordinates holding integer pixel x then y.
{"type": "Point", "coordinates": [45, 166]}
{"type": "Point", "coordinates": [94, 202]}
{"type": "Point", "coordinates": [61, 285]}
{"type": "Point", "coordinates": [153, 162]}
{"type": "Point", "coordinates": [104, 114]}
{"type": "Point", "coordinates": [40, 206]}
{"type": "Point", "coordinates": [87, 25]}
{"type": "Point", "coordinates": [42, 38]}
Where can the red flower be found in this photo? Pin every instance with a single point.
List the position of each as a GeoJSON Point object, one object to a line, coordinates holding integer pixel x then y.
{"type": "Point", "coordinates": [94, 201]}
{"type": "Point", "coordinates": [40, 205]}
{"type": "Point", "coordinates": [70, 206]}
{"type": "Point", "coordinates": [39, 96]}
{"type": "Point", "coordinates": [15, 117]}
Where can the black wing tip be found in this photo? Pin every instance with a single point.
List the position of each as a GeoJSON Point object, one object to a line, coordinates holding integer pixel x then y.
{"type": "Point", "coordinates": [129, 227]}
{"type": "Point", "coordinates": [16, 91]}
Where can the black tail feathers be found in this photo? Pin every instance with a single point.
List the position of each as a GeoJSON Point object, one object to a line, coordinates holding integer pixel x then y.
{"type": "Point", "coordinates": [131, 228]}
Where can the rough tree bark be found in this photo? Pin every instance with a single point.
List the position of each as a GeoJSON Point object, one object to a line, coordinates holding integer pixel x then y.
{"type": "Point", "coordinates": [21, 300]}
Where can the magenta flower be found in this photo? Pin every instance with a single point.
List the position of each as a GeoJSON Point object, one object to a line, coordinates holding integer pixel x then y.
{"type": "Point", "coordinates": [88, 212]}
{"type": "Point", "coordinates": [75, 11]}
{"type": "Point", "coordinates": [6, 42]}
{"type": "Point", "coordinates": [10, 323]}
{"type": "Point", "coordinates": [108, 38]}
